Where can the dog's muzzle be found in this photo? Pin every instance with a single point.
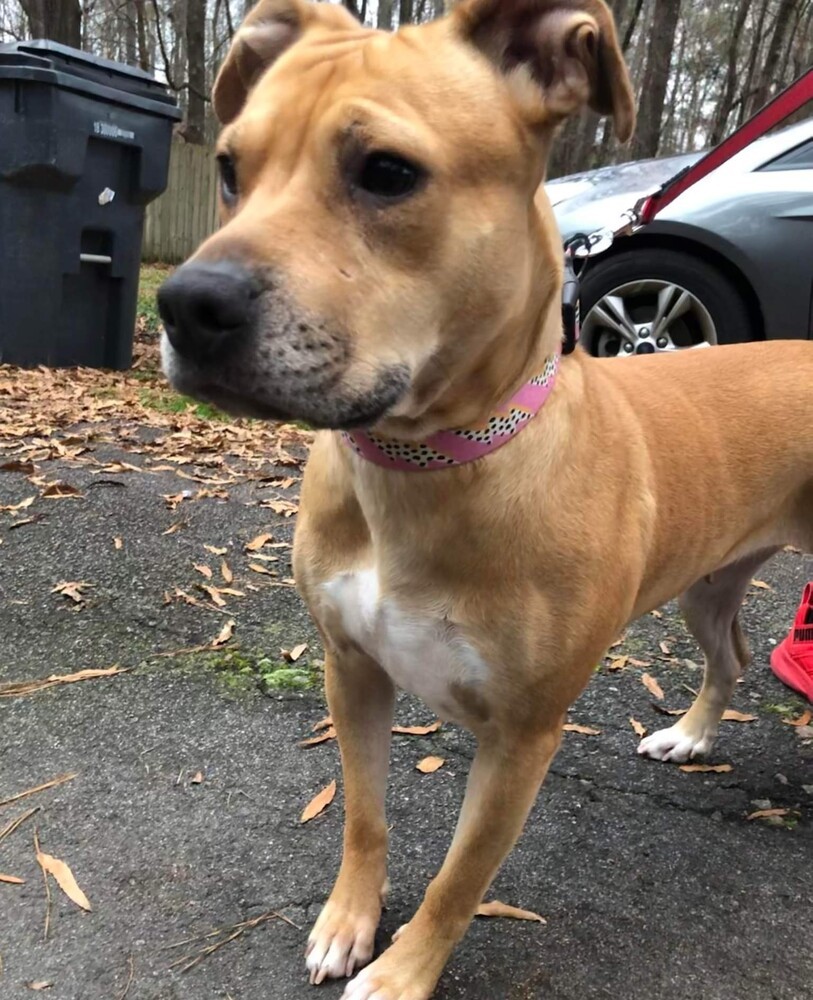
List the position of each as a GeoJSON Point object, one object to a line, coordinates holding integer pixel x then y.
{"type": "Point", "coordinates": [234, 338]}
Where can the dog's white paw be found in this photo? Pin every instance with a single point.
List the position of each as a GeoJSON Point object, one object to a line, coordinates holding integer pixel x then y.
{"type": "Point", "coordinates": [678, 744]}
{"type": "Point", "coordinates": [340, 943]}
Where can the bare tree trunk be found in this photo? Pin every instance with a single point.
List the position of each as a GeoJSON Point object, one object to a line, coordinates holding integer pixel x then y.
{"type": "Point", "coordinates": [129, 15]}
{"type": "Point", "coordinates": [726, 102]}
{"type": "Point", "coordinates": [59, 20]}
{"type": "Point", "coordinates": [764, 88]}
{"type": "Point", "coordinates": [656, 77]}
{"type": "Point", "coordinates": [195, 128]}
{"type": "Point", "coordinates": [384, 19]}
{"type": "Point", "coordinates": [406, 13]}
{"type": "Point", "coordinates": [748, 83]}
{"type": "Point", "coordinates": [141, 35]}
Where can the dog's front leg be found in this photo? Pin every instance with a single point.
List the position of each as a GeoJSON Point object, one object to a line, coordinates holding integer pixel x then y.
{"type": "Point", "coordinates": [361, 699]}
{"type": "Point", "coordinates": [505, 777]}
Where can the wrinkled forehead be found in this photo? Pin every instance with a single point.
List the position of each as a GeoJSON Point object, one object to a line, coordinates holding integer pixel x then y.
{"type": "Point", "coordinates": [419, 90]}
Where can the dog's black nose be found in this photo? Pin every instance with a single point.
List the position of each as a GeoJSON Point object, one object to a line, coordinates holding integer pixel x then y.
{"type": "Point", "coordinates": [205, 306]}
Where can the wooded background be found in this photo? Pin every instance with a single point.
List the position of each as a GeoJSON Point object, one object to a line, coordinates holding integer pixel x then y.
{"type": "Point", "coordinates": [700, 67]}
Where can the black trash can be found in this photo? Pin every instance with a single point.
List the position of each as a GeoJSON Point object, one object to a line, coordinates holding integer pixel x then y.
{"type": "Point", "coordinates": [84, 147]}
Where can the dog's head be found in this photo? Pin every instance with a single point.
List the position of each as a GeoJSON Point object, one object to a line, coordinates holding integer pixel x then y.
{"type": "Point", "coordinates": [383, 238]}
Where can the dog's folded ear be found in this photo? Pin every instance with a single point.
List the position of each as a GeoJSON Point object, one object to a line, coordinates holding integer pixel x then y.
{"type": "Point", "coordinates": [270, 28]}
{"type": "Point", "coordinates": [568, 50]}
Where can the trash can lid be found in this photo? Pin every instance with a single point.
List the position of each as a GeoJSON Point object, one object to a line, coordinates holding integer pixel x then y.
{"type": "Point", "coordinates": [73, 69]}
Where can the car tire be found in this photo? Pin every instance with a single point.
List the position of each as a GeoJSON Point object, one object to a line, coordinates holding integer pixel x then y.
{"type": "Point", "coordinates": [711, 289]}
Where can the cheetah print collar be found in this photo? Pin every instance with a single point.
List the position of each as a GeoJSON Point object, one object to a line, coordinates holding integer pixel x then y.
{"type": "Point", "coordinates": [449, 448]}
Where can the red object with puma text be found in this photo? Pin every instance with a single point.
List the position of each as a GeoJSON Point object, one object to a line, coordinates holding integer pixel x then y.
{"type": "Point", "coordinates": [792, 660]}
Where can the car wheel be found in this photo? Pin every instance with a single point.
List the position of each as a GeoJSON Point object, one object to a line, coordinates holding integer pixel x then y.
{"type": "Point", "coordinates": [651, 301]}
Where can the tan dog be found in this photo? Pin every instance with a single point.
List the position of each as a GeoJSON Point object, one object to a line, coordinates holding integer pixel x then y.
{"type": "Point", "coordinates": [387, 262]}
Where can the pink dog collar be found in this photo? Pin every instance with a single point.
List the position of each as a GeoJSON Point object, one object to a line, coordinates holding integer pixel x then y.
{"type": "Point", "coordinates": [449, 448]}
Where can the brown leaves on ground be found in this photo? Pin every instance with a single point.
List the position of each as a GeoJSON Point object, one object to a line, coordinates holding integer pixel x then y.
{"type": "Point", "coordinates": [730, 715]}
{"type": "Point", "coordinates": [257, 543]}
{"type": "Point", "coordinates": [769, 814]}
{"type": "Point", "coordinates": [61, 491]}
{"type": "Point", "coordinates": [325, 736]}
{"type": "Point", "coordinates": [16, 689]}
{"type": "Point", "coordinates": [497, 909]}
{"type": "Point", "coordinates": [417, 730]}
{"type": "Point", "coordinates": [582, 730]}
{"type": "Point", "coordinates": [292, 655]}
{"type": "Point", "coordinates": [640, 728]}
{"type": "Point", "coordinates": [224, 635]}
{"type": "Point", "coordinates": [318, 803]}
{"type": "Point", "coordinates": [11, 879]}
{"type": "Point", "coordinates": [804, 720]}
{"type": "Point", "coordinates": [430, 764]}
{"type": "Point", "coordinates": [652, 686]}
{"type": "Point", "coordinates": [74, 590]}
{"type": "Point", "coordinates": [706, 768]}
{"type": "Point", "coordinates": [761, 585]}
{"type": "Point", "coordinates": [64, 878]}
{"type": "Point", "coordinates": [39, 984]}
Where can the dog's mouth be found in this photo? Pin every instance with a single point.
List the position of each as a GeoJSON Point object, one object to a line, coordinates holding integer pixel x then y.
{"type": "Point", "coordinates": [262, 384]}
{"type": "Point", "coordinates": [233, 338]}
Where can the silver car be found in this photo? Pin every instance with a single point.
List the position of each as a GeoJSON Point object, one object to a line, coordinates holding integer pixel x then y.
{"type": "Point", "coordinates": [730, 260]}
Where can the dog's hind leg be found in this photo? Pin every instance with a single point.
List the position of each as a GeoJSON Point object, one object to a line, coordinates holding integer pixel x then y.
{"type": "Point", "coordinates": [710, 608]}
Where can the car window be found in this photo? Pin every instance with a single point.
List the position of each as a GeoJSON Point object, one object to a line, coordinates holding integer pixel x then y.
{"type": "Point", "coordinates": [800, 158]}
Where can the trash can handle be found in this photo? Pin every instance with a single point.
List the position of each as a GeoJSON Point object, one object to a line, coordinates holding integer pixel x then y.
{"type": "Point", "coordinates": [95, 258]}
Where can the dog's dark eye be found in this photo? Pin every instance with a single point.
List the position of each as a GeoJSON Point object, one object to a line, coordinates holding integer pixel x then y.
{"type": "Point", "coordinates": [228, 178]}
{"type": "Point", "coordinates": [388, 177]}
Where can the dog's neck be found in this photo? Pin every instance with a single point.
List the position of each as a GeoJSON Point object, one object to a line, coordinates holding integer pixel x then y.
{"type": "Point", "coordinates": [490, 401]}
{"type": "Point", "coordinates": [447, 449]}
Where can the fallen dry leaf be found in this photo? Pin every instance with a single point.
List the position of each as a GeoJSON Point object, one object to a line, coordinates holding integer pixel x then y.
{"type": "Point", "coordinates": [656, 614]}
{"type": "Point", "coordinates": [258, 568]}
{"type": "Point", "coordinates": [324, 736]}
{"type": "Point", "coordinates": [582, 730]}
{"type": "Point", "coordinates": [72, 589]}
{"type": "Point", "coordinates": [225, 634]}
{"type": "Point", "coordinates": [669, 711]}
{"type": "Point", "coordinates": [730, 715]}
{"type": "Point", "coordinates": [761, 585]}
{"type": "Point", "coordinates": [257, 543]}
{"type": "Point", "coordinates": [64, 879]}
{"type": "Point", "coordinates": [60, 491]}
{"type": "Point", "coordinates": [430, 764]}
{"type": "Point", "coordinates": [318, 803]}
{"type": "Point", "coordinates": [12, 879]}
{"type": "Point", "coordinates": [226, 573]}
{"type": "Point", "coordinates": [40, 984]}
{"type": "Point", "coordinates": [22, 505]}
{"type": "Point", "coordinates": [322, 724]}
{"type": "Point", "coordinates": [117, 542]}
{"type": "Point", "coordinates": [665, 648]}
{"type": "Point", "coordinates": [767, 813]}
{"type": "Point", "coordinates": [804, 720]}
{"type": "Point", "coordinates": [497, 909]}
{"type": "Point", "coordinates": [197, 778]}
{"type": "Point", "coordinates": [417, 730]}
{"type": "Point", "coordinates": [652, 686]}
{"type": "Point", "coordinates": [173, 528]}
{"type": "Point", "coordinates": [284, 507]}
{"type": "Point", "coordinates": [214, 594]}
{"type": "Point", "coordinates": [619, 662]}
{"type": "Point", "coordinates": [27, 468]}
{"type": "Point", "coordinates": [292, 655]}
{"type": "Point", "coordinates": [215, 550]}
{"type": "Point", "coordinates": [640, 663]}
{"type": "Point", "coordinates": [706, 768]}
{"type": "Point", "coordinates": [640, 728]}
{"type": "Point", "coordinates": [15, 689]}
{"type": "Point", "coordinates": [203, 570]}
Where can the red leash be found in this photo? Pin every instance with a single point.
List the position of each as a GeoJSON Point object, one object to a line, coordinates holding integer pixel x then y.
{"type": "Point", "coordinates": [780, 108]}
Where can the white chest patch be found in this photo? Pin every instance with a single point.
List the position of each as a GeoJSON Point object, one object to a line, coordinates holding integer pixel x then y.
{"type": "Point", "coordinates": [422, 654]}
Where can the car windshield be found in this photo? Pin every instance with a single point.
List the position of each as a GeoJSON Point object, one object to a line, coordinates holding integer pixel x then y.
{"type": "Point", "coordinates": [621, 178]}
